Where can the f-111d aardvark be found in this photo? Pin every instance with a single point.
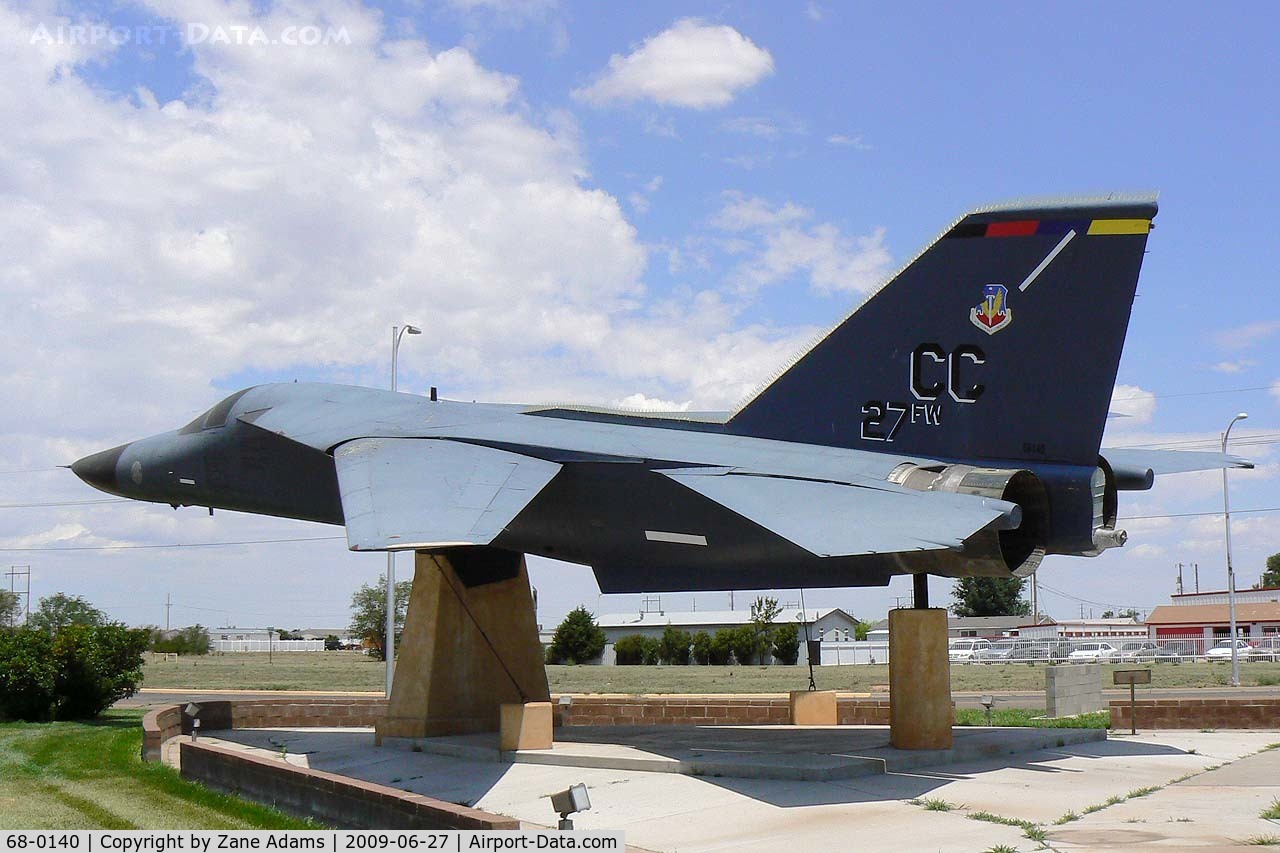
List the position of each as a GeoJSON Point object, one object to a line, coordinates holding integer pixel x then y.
{"type": "Point", "coordinates": [950, 425]}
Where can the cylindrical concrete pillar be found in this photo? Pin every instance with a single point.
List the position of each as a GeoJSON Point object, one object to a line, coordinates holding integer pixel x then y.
{"type": "Point", "coordinates": [919, 679]}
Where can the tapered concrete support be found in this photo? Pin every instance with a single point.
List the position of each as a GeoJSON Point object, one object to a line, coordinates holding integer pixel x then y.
{"type": "Point", "coordinates": [526, 726]}
{"type": "Point", "coordinates": [813, 708]}
{"type": "Point", "coordinates": [465, 652]}
{"type": "Point", "coordinates": [919, 679]}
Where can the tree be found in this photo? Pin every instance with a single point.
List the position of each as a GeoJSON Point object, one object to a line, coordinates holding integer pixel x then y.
{"type": "Point", "coordinates": [59, 610]}
{"type": "Point", "coordinates": [577, 639]}
{"type": "Point", "coordinates": [702, 648]}
{"type": "Point", "coordinates": [188, 641]}
{"type": "Point", "coordinates": [989, 597]}
{"type": "Point", "coordinates": [673, 648]}
{"type": "Point", "coordinates": [721, 648]}
{"type": "Point", "coordinates": [786, 644]}
{"type": "Point", "coordinates": [10, 608]}
{"type": "Point", "coordinates": [369, 613]}
{"type": "Point", "coordinates": [763, 612]}
{"type": "Point", "coordinates": [747, 644]}
{"type": "Point", "coordinates": [74, 673]}
{"type": "Point", "coordinates": [861, 629]}
{"type": "Point", "coordinates": [636, 649]}
{"type": "Point", "coordinates": [1271, 577]}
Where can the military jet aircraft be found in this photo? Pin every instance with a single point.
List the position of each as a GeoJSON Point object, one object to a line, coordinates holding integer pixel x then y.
{"type": "Point", "coordinates": [950, 425]}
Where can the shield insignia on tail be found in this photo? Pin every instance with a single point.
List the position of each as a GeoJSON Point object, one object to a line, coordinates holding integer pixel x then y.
{"type": "Point", "coordinates": [993, 313]}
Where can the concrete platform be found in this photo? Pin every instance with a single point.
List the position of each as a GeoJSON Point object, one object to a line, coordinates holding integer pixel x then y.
{"type": "Point", "coordinates": [1116, 794]}
{"type": "Point", "coordinates": [812, 753]}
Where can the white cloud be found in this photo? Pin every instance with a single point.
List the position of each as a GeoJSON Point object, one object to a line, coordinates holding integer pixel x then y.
{"type": "Point", "coordinates": [1243, 337]}
{"type": "Point", "coordinates": [1135, 404]}
{"type": "Point", "coordinates": [1275, 389]}
{"type": "Point", "coordinates": [641, 403]}
{"type": "Point", "coordinates": [1234, 366]}
{"type": "Point", "coordinates": [814, 12]}
{"type": "Point", "coordinates": [785, 245]}
{"type": "Point", "coordinates": [691, 64]}
{"type": "Point", "coordinates": [854, 142]}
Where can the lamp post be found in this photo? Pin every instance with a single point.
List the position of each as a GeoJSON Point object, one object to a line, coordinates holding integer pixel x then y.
{"type": "Point", "coordinates": [389, 648]}
{"type": "Point", "coordinates": [1231, 575]}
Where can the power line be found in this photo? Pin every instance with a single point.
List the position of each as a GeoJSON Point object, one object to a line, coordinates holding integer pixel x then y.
{"type": "Point", "coordinates": [175, 545]}
{"type": "Point", "coordinates": [1192, 514]}
{"type": "Point", "coordinates": [68, 503]}
{"type": "Point", "coordinates": [1193, 393]}
{"type": "Point", "coordinates": [1107, 604]}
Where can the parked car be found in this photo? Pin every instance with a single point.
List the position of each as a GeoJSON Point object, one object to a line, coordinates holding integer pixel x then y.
{"type": "Point", "coordinates": [1092, 653]}
{"type": "Point", "coordinates": [966, 649]}
{"type": "Point", "coordinates": [1222, 651]}
{"type": "Point", "coordinates": [1177, 651]}
{"type": "Point", "coordinates": [997, 652]}
{"type": "Point", "coordinates": [1136, 652]}
{"type": "Point", "coordinates": [1041, 651]}
{"type": "Point", "coordinates": [1266, 649]}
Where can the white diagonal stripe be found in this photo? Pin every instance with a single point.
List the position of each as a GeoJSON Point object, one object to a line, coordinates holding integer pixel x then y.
{"type": "Point", "coordinates": [1047, 259]}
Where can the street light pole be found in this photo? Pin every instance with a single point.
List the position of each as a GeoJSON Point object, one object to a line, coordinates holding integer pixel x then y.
{"type": "Point", "coordinates": [1231, 575]}
{"type": "Point", "coordinates": [389, 648]}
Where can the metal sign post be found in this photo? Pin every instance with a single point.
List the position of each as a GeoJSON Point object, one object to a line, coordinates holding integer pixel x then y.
{"type": "Point", "coordinates": [1132, 677]}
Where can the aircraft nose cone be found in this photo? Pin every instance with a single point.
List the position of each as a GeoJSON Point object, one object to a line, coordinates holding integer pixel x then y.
{"type": "Point", "coordinates": [99, 469]}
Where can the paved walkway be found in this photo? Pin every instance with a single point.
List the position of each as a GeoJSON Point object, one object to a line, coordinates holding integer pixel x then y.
{"type": "Point", "coordinates": [1188, 804]}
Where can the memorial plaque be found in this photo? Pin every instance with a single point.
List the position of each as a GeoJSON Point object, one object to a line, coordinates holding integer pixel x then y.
{"type": "Point", "coordinates": [1132, 676]}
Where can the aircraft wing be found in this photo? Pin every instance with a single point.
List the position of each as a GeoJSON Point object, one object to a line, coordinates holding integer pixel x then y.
{"type": "Point", "coordinates": [836, 519]}
{"type": "Point", "coordinates": [405, 493]}
{"type": "Point", "coordinates": [1136, 469]}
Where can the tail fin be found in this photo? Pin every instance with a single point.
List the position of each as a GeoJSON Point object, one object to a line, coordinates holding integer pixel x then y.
{"type": "Point", "coordinates": [1001, 340]}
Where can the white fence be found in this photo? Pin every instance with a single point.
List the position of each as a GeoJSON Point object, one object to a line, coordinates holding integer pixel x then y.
{"type": "Point", "coordinates": [268, 645]}
{"type": "Point", "coordinates": [1123, 649]}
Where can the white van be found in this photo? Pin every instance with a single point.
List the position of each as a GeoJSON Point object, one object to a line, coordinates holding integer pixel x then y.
{"type": "Point", "coordinates": [966, 649]}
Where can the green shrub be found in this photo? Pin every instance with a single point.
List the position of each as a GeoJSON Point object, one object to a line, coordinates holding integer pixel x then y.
{"type": "Point", "coordinates": [786, 644]}
{"type": "Point", "coordinates": [748, 644]}
{"type": "Point", "coordinates": [702, 648]}
{"type": "Point", "coordinates": [636, 649]}
{"type": "Point", "coordinates": [673, 648]}
{"type": "Point", "coordinates": [188, 641]}
{"type": "Point", "coordinates": [74, 674]}
{"type": "Point", "coordinates": [578, 639]}
{"type": "Point", "coordinates": [721, 648]}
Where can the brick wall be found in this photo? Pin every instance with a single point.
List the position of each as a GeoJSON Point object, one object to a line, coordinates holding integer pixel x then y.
{"type": "Point", "coordinates": [157, 727]}
{"type": "Point", "coordinates": [707, 710]}
{"type": "Point", "coordinates": [171, 720]}
{"type": "Point", "coordinates": [337, 801]}
{"type": "Point", "coordinates": [1245, 712]}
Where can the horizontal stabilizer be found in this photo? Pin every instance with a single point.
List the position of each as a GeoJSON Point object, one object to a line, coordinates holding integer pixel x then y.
{"type": "Point", "coordinates": [836, 520]}
{"type": "Point", "coordinates": [404, 493]}
{"type": "Point", "coordinates": [1136, 469]}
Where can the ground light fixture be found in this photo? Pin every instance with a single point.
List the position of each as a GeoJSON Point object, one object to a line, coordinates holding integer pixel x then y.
{"type": "Point", "coordinates": [570, 801]}
{"type": "Point", "coordinates": [192, 710]}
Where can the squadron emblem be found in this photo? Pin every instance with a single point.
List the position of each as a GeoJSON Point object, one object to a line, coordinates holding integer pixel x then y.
{"type": "Point", "coordinates": [993, 313]}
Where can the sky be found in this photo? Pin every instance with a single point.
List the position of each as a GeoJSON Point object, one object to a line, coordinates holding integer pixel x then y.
{"type": "Point", "coordinates": [648, 205]}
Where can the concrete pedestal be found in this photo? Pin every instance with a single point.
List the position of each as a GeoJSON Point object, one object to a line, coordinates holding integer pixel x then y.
{"type": "Point", "coordinates": [813, 708]}
{"type": "Point", "coordinates": [525, 726]}
{"type": "Point", "coordinates": [920, 714]}
{"type": "Point", "coordinates": [465, 652]}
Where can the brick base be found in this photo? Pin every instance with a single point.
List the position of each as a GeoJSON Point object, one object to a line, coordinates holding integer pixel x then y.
{"type": "Point", "coordinates": [708, 711]}
{"type": "Point", "coordinates": [1244, 712]}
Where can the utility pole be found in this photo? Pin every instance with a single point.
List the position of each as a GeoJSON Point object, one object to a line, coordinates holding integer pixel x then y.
{"type": "Point", "coordinates": [25, 573]}
{"type": "Point", "coordinates": [1196, 568]}
{"type": "Point", "coordinates": [1179, 578]}
{"type": "Point", "coordinates": [168, 603]}
{"type": "Point", "coordinates": [1035, 602]}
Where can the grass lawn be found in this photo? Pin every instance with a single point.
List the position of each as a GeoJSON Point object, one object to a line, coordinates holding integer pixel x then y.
{"type": "Point", "coordinates": [344, 671]}
{"type": "Point", "coordinates": [89, 776]}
